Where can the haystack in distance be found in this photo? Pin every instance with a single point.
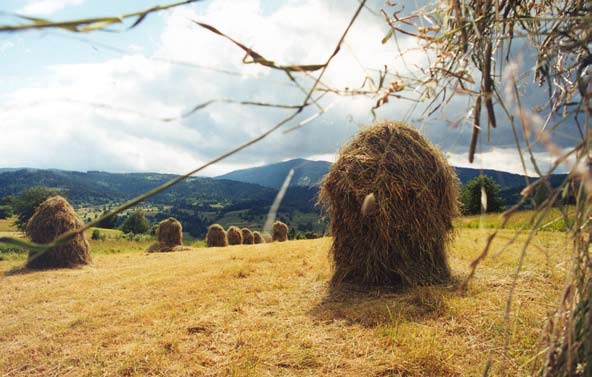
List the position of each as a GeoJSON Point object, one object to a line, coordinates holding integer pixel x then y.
{"type": "Point", "coordinates": [169, 235]}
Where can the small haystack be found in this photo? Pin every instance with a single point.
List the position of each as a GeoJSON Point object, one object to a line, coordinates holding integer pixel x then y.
{"type": "Point", "coordinates": [279, 232]}
{"type": "Point", "coordinates": [391, 197]}
{"type": "Point", "coordinates": [170, 236]}
{"type": "Point", "coordinates": [266, 237]}
{"type": "Point", "coordinates": [247, 236]}
{"type": "Point", "coordinates": [258, 238]}
{"type": "Point", "coordinates": [235, 236]}
{"type": "Point", "coordinates": [52, 218]}
{"type": "Point", "coordinates": [216, 236]}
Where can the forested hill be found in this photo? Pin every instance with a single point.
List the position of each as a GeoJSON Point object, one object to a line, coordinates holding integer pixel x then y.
{"type": "Point", "coordinates": [310, 173]}
{"type": "Point", "coordinates": [95, 187]}
{"type": "Point", "coordinates": [254, 184]}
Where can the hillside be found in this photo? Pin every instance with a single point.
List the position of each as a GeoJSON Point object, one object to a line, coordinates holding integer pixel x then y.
{"type": "Point", "coordinates": [241, 198]}
{"type": "Point", "coordinates": [265, 310]}
{"type": "Point", "coordinates": [197, 202]}
{"type": "Point", "coordinates": [306, 173]}
{"type": "Point", "coordinates": [95, 187]}
{"type": "Point", "coordinates": [310, 173]}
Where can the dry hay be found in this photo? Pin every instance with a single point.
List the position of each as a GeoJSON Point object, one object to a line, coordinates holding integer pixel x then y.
{"type": "Point", "coordinates": [258, 237]}
{"type": "Point", "coordinates": [170, 232]}
{"type": "Point", "coordinates": [235, 236]}
{"type": "Point", "coordinates": [248, 238]}
{"type": "Point", "coordinates": [279, 232]}
{"type": "Point", "coordinates": [216, 236]}
{"type": "Point", "coordinates": [170, 236]}
{"type": "Point", "coordinates": [52, 218]}
{"type": "Point", "coordinates": [266, 237]}
{"type": "Point", "coordinates": [391, 197]}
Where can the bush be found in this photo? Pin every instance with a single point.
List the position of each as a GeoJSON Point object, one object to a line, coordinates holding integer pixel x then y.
{"type": "Point", "coordinates": [136, 223]}
{"type": "Point", "coordinates": [5, 212]}
{"type": "Point", "coordinates": [110, 222]}
{"type": "Point", "coordinates": [470, 196]}
{"type": "Point", "coordinates": [97, 235]}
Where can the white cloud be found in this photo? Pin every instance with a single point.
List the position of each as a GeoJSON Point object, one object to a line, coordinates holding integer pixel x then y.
{"type": "Point", "coordinates": [504, 159]}
{"type": "Point", "coordinates": [47, 7]}
{"type": "Point", "coordinates": [71, 135]}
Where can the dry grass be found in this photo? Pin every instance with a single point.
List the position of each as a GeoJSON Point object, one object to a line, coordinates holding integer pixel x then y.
{"type": "Point", "coordinates": [8, 228]}
{"type": "Point", "coordinates": [252, 311]}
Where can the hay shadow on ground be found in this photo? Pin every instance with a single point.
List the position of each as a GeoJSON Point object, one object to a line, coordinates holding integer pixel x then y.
{"type": "Point", "coordinates": [24, 270]}
{"type": "Point", "coordinates": [381, 306]}
{"type": "Point", "coordinates": [19, 270]}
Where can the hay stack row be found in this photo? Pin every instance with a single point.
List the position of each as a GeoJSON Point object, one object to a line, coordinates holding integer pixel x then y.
{"type": "Point", "coordinates": [218, 237]}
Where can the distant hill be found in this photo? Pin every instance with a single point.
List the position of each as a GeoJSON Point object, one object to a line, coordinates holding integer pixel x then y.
{"type": "Point", "coordinates": [306, 173]}
{"type": "Point", "coordinates": [242, 197]}
{"type": "Point", "coordinates": [310, 173]}
{"type": "Point", "coordinates": [96, 187]}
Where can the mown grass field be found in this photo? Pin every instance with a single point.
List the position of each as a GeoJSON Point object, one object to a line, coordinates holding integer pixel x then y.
{"type": "Point", "coordinates": [265, 310]}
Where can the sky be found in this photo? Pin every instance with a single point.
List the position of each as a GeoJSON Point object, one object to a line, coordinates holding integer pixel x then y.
{"type": "Point", "coordinates": [95, 101]}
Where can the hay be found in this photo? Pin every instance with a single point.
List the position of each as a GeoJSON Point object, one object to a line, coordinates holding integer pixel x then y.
{"type": "Point", "coordinates": [216, 236]}
{"type": "Point", "coordinates": [279, 232]}
{"type": "Point", "coordinates": [235, 236]}
{"type": "Point", "coordinates": [169, 234]}
{"type": "Point", "coordinates": [248, 238]}
{"type": "Point", "coordinates": [391, 197]}
{"type": "Point", "coordinates": [52, 218]}
{"type": "Point", "coordinates": [258, 238]}
{"type": "Point", "coordinates": [266, 237]}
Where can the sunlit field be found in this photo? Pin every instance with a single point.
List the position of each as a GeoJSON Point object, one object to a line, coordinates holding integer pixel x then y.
{"type": "Point", "coordinates": [258, 310]}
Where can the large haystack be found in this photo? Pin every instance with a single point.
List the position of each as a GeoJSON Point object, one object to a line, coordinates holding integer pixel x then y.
{"type": "Point", "coordinates": [235, 236]}
{"type": "Point", "coordinates": [247, 236]}
{"type": "Point", "coordinates": [52, 218]}
{"type": "Point", "coordinates": [258, 238]}
{"type": "Point", "coordinates": [216, 236]}
{"type": "Point", "coordinates": [170, 236]}
{"type": "Point", "coordinates": [279, 232]}
{"type": "Point", "coordinates": [391, 197]}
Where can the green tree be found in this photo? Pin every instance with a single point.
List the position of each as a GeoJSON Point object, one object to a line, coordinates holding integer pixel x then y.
{"type": "Point", "coordinates": [108, 223]}
{"type": "Point", "coordinates": [471, 195]}
{"type": "Point", "coordinates": [27, 202]}
{"type": "Point", "coordinates": [6, 207]}
{"type": "Point", "coordinates": [136, 223]}
{"type": "Point", "coordinates": [541, 193]}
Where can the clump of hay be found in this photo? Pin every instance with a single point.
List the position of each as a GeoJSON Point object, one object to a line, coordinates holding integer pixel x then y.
{"type": "Point", "coordinates": [248, 237]}
{"type": "Point", "coordinates": [266, 237]}
{"type": "Point", "coordinates": [52, 218]}
{"type": "Point", "coordinates": [391, 197]}
{"type": "Point", "coordinates": [279, 232]}
{"type": "Point", "coordinates": [169, 234]}
{"type": "Point", "coordinates": [258, 237]}
{"type": "Point", "coordinates": [235, 236]}
{"type": "Point", "coordinates": [216, 236]}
